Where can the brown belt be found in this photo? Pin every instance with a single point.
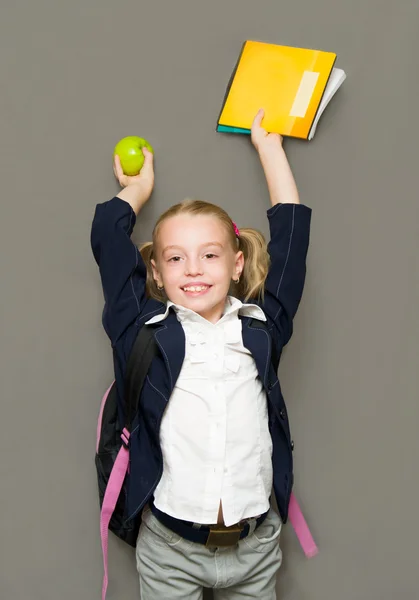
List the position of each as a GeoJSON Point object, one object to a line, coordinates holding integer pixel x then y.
{"type": "Point", "coordinates": [213, 536]}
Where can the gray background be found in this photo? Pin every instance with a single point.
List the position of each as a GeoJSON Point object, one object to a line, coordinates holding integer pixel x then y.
{"type": "Point", "coordinates": [75, 78]}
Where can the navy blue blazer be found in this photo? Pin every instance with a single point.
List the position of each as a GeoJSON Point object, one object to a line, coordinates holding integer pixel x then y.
{"type": "Point", "coordinates": [127, 307]}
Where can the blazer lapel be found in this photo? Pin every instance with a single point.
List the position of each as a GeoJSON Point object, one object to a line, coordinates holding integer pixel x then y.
{"type": "Point", "coordinates": [170, 338]}
{"type": "Point", "coordinates": [257, 340]}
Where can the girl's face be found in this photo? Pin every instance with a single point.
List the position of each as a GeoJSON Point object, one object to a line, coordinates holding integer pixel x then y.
{"type": "Point", "coordinates": [195, 263]}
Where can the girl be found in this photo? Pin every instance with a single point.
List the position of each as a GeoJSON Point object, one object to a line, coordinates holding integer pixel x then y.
{"type": "Point", "coordinates": [211, 436]}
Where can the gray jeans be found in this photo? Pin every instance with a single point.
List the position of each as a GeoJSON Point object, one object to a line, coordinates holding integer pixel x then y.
{"type": "Point", "coordinates": [172, 568]}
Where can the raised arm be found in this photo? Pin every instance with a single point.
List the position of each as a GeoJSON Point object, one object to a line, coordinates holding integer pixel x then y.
{"type": "Point", "coordinates": [121, 267]}
{"type": "Point", "coordinates": [289, 223]}
{"type": "Point", "coordinates": [279, 178]}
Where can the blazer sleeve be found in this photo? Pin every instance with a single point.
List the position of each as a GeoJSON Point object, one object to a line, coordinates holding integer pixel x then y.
{"type": "Point", "coordinates": [122, 270]}
{"type": "Point", "coordinates": [290, 231]}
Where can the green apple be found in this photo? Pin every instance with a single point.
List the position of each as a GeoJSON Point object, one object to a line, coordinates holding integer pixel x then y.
{"type": "Point", "coordinates": [129, 150]}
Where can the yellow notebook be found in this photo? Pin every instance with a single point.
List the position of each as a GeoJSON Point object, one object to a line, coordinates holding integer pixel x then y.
{"type": "Point", "coordinates": [293, 85]}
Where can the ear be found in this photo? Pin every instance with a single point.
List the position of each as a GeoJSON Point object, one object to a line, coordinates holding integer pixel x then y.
{"type": "Point", "coordinates": [156, 273]}
{"type": "Point", "coordinates": [238, 265]}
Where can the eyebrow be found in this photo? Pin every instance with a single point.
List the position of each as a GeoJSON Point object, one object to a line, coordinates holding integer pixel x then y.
{"type": "Point", "coordinates": [202, 246]}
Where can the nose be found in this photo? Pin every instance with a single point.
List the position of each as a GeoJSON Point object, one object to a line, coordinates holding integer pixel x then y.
{"type": "Point", "coordinates": [193, 267]}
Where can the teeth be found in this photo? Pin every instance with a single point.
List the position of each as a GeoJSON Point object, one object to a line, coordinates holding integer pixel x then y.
{"type": "Point", "coordinates": [196, 288]}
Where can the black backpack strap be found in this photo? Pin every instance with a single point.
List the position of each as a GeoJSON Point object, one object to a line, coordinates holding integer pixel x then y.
{"type": "Point", "coordinates": [143, 351]}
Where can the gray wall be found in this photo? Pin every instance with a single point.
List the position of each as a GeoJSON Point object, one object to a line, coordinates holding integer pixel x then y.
{"type": "Point", "coordinates": [76, 77]}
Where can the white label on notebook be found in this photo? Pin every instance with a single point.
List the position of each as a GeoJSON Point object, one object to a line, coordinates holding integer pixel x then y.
{"type": "Point", "coordinates": [304, 94]}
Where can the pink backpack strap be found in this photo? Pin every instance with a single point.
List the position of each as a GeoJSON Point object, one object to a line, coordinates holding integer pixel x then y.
{"type": "Point", "coordinates": [301, 528]}
{"type": "Point", "coordinates": [113, 489]}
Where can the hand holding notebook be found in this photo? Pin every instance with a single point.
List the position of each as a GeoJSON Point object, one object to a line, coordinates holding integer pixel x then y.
{"type": "Point", "coordinates": [293, 85]}
{"type": "Point", "coordinates": [260, 137]}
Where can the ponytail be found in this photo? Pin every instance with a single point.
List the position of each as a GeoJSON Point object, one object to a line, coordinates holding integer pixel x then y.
{"type": "Point", "coordinates": [256, 264]}
{"type": "Point", "coordinates": [146, 251]}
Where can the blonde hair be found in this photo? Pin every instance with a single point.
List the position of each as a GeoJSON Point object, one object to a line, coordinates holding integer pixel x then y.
{"type": "Point", "coordinates": [251, 242]}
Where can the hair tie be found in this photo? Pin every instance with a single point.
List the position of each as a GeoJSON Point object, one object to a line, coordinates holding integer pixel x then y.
{"type": "Point", "coordinates": [236, 229]}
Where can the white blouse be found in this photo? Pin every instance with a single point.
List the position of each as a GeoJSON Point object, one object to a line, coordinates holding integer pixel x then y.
{"type": "Point", "coordinates": [214, 433]}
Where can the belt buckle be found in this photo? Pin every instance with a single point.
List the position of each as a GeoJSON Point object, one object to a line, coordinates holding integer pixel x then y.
{"type": "Point", "coordinates": [221, 537]}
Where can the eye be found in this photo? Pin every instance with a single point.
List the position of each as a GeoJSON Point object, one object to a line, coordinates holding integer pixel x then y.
{"type": "Point", "coordinates": [210, 255]}
{"type": "Point", "coordinates": [174, 259]}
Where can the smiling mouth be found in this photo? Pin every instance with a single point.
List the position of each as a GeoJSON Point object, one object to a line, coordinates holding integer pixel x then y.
{"type": "Point", "coordinates": [196, 289]}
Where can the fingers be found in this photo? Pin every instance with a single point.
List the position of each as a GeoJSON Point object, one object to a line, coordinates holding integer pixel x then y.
{"type": "Point", "coordinates": [148, 165]}
{"type": "Point", "coordinates": [148, 156]}
{"type": "Point", "coordinates": [146, 173]}
{"type": "Point", "coordinates": [258, 118]}
{"type": "Point", "coordinates": [258, 133]}
{"type": "Point", "coordinates": [146, 152]}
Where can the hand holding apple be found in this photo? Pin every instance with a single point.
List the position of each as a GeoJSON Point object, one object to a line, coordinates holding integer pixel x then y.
{"type": "Point", "coordinates": [130, 152]}
{"type": "Point", "coordinates": [138, 187]}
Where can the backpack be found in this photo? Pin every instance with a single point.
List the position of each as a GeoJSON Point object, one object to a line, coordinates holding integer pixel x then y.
{"type": "Point", "coordinates": [112, 456]}
{"type": "Point", "coordinates": [112, 452]}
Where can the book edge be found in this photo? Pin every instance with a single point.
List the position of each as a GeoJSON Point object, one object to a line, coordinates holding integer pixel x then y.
{"type": "Point", "coordinates": [321, 50]}
{"type": "Point", "coordinates": [230, 82]}
{"type": "Point", "coordinates": [318, 117]}
{"type": "Point", "coordinates": [241, 131]}
{"type": "Point", "coordinates": [321, 98]}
